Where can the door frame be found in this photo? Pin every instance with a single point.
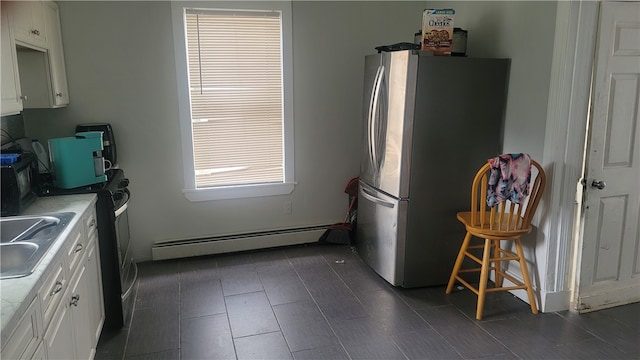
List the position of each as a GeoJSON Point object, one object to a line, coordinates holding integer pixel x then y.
{"type": "Point", "coordinates": [564, 152]}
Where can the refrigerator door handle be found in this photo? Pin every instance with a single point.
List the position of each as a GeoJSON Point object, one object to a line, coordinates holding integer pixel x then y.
{"type": "Point", "coordinates": [373, 111]}
{"type": "Point", "coordinates": [370, 115]}
{"type": "Point", "coordinates": [375, 199]}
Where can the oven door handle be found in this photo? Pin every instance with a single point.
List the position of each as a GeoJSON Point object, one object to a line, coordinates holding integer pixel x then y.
{"type": "Point", "coordinates": [122, 209]}
{"type": "Point", "coordinates": [135, 276]}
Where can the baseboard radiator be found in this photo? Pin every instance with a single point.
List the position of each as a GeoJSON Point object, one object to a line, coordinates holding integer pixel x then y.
{"type": "Point", "coordinates": [173, 249]}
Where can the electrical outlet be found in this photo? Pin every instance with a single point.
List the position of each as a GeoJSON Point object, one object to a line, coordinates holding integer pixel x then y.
{"type": "Point", "coordinates": [287, 207]}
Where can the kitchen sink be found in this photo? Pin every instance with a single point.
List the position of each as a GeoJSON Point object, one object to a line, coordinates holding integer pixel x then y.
{"type": "Point", "coordinates": [24, 240]}
{"type": "Point", "coordinates": [16, 255]}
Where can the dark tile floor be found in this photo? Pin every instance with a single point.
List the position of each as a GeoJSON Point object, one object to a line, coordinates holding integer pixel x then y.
{"type": "Point", "coordinates": [323, 302]}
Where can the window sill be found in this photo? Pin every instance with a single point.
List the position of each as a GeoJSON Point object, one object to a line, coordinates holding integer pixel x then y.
{"type": "Point", "coordinates": [238, 192]}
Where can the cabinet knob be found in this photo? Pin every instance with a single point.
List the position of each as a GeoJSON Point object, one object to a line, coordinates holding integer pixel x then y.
{"type": "Point", "coordinates": [35, 32]}
{"type": "Point", "coordinates": [56, 289]}
{"type": "Point", "coordinates": [74, 300]}
{"type": "Point", "coordinates": [59, 94]}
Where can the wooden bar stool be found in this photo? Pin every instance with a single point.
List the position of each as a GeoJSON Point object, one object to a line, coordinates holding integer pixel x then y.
{"type": "Point", "coordinates": [506, 221]}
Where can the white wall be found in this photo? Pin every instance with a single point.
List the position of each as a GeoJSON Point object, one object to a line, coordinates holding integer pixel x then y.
{"type": "Point", "coordinates": [120, 67]}
{"type": "Point", "coordinates": [522, 31]}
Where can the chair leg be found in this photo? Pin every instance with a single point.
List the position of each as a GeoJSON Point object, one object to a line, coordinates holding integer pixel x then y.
{"type": "Point", "coordinates": [525, 276]}
{"type": "Point", "coordinates": [498, 263]}
{"type": "Point", "coordinates": [458, 264]}
{"type": "Point", "coordinates": [484, 276]}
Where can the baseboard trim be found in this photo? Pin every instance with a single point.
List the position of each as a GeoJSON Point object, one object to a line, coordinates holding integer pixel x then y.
{"type": "Point", "coordinates": [182, 248]}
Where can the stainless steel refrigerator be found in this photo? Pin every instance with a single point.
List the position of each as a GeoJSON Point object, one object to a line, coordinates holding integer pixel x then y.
{"type": "Point", "coordinates": [429, 123]}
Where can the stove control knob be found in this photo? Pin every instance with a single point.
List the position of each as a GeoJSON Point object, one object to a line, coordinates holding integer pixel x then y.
{"type": "Point", "coordinates": [117, 196]}
{"type": "Point", "coordinates": [124, 183]}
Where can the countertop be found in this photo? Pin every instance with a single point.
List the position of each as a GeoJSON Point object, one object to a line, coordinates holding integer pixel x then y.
{"type": "Point", "coordinates": [17, 294]}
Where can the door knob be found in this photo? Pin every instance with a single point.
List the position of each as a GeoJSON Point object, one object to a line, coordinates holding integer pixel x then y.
{"type": "Point", "coordinates": [598, 184]}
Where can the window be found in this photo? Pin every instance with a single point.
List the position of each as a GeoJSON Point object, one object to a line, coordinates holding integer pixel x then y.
{"type": "Point", "coordinates": [236, 120]}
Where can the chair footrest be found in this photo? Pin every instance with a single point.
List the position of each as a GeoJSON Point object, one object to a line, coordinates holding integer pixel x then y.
{"type": "Point", "coordinates": [489, 289]}
{"type": "Point", "coordinates": [467, 285]}
{"type": "Point", "coordinates": [473, 257]}
{"type": "Point", "coordinates": [505, 288]}
{"type": "Point", "coordinates": [512, 279]}
{"type": "Point", "coordinates": [504, 258]}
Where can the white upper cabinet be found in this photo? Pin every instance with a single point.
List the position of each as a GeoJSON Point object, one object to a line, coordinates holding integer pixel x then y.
{"type": "Point", "coordinates": [60, 95]}
{"type": "Point", "coordinates": [40, 55]}
{"type": "Point", "coordinates": [29, 24]}
{"type": "Point", "coordinates": [11, 101]}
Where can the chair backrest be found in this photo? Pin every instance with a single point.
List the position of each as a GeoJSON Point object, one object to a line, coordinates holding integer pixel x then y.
{"type": "Point", "coordinates": [506, 216]}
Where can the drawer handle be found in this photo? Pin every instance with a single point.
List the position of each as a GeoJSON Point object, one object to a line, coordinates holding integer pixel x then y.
{"type": "Point", "coordinates": [59, 94]}
{"type": "Point", "coordinates": [74, 300]}
{"type": "Point", "coordinates": [57, 289]}
{"type": "Point", "coordinates": [79, 248]}
{"type": "Point", "coordinates": [35, 32]}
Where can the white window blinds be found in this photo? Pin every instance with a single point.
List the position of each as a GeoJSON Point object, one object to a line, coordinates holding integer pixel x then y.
{"type": "Point", "coordinates": [235, 85]}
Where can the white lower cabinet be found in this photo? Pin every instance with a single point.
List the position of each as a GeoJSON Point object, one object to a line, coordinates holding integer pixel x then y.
{"type": "Point", "coordinates": [65, 319]}
{"type": "Point", "coordinates": [87, 311]}
{"type": "Point", "coordinates": [69, 336]}
{"type": "Point", "coordinates": [58, 339]}
{"type": "Point", "coordinates": [27, 336]}
{"type": "Point", "coordinates": [40, 353]}
{"type": "Point", "coordinates": [81, 312]}
{"type": "Point", "coordinates": [81, 316]}
{"type": "Point", "coordinates": [94, 291]}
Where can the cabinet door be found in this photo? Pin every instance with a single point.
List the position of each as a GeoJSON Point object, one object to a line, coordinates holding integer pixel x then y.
{"type": "Point", "coordinates": [94, 284]}
{"type": "Point", "coordinates": [11, 102]}
{"type": "Point", "coordinates": [80, 306]}
{"type": "Point", "coordinates": [39, 354]}
{"type": "Point", "coordinates": [29, 22]}
{"type": "Point", "coordinates": [59, 339]}
{"type": "Point", "coordinates": [56, 56]}
{"type": "Point", "coordinates": [27, 335]}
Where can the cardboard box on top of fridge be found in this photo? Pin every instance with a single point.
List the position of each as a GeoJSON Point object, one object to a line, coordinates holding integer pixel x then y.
{"type": "Point", "coordinates": [437, 30]}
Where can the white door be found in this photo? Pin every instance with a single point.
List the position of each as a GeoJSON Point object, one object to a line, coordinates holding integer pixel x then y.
{"type": "Point", "coordinates": [610, 259]}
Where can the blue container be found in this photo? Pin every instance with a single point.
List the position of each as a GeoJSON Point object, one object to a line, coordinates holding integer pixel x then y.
{"type": "Point", "coordinates": [9, 159]}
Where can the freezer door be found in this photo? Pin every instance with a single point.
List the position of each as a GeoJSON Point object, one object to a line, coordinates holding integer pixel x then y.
{"type": "Point", "coordinates": [388, 108]}
{"type": "Point", "coordinates": [381, 230]}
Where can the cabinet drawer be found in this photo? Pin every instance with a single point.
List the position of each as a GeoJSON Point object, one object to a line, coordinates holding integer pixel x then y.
{"type": "Point", "coordinates": [90, 223]}
{"type": "Point", "coordinates": [24, 341]}
{"type": "Point", "coordinates": [75, 249]}
{"type": "Point", "coordinates": [51, 291]}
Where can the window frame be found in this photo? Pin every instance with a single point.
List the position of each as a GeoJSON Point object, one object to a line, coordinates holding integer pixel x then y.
{"type": "Point", "coordinates": [178, 11]}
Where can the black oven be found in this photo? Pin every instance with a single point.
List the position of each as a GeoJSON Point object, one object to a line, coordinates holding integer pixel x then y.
{"type": "Point", "coordinates": [119, 271]}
